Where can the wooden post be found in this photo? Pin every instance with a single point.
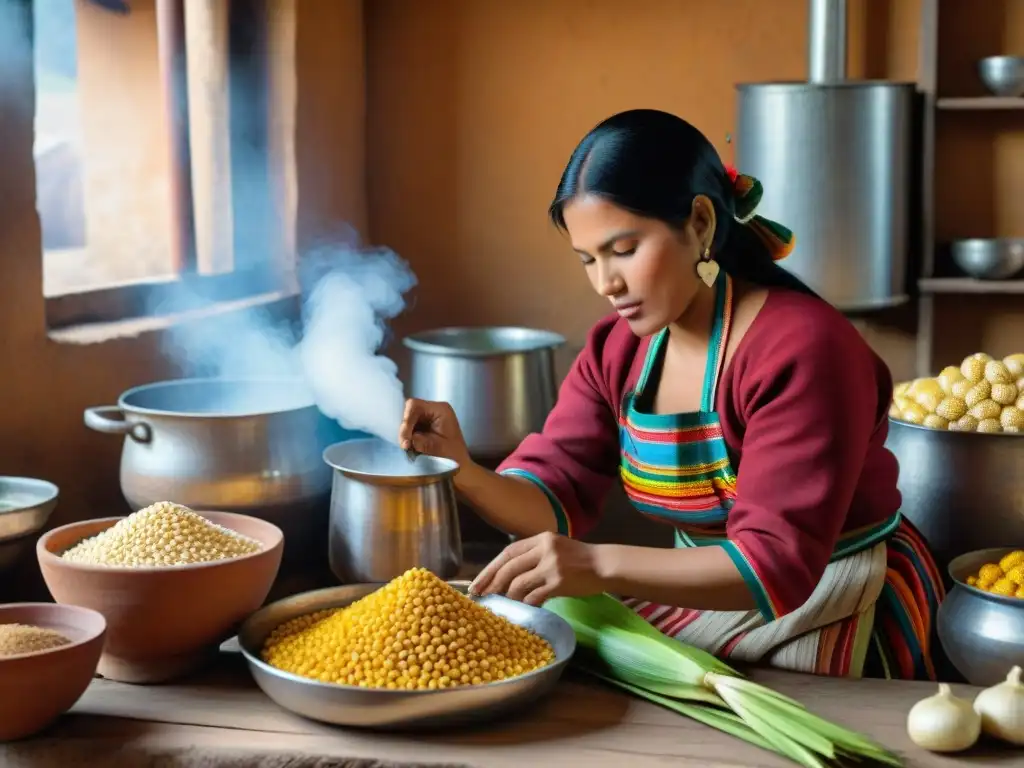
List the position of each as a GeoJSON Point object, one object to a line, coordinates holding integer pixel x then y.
{"type": "Point", "coordinates": [170, 22]}
{"type": "Point", "coordinates": [207, 46]}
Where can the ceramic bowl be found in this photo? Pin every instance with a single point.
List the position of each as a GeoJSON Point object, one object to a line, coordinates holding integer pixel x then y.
{"type": "Point", "coordinates": [37, 688]}
{"type": "Point", "coordinates": [163, 622]}
{"type": "Point", "coordinates": [982, 633]}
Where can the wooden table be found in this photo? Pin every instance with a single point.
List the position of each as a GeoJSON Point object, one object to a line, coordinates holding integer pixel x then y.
{"type": "Point", "coordinates": [222, 719]}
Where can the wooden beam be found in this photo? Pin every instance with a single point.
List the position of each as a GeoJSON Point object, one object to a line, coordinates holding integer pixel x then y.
{"type": "Point", "coordinates": [206, 43]}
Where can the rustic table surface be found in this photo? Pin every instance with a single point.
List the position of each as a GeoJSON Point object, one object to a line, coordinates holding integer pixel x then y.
{"type": "Point", "coordinates": [220, 718]}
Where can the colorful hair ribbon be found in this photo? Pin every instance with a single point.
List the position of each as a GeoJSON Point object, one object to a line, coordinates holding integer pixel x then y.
{"type": "Point", "coordinates": [747, 193]}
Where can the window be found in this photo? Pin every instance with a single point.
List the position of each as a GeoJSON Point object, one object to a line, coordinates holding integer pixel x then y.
{"type": "Point", "coordinates": [163, 182]}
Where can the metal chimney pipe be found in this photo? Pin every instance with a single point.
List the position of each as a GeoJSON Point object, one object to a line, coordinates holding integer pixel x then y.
{"type": "Point", "coordinates": [826, 41]}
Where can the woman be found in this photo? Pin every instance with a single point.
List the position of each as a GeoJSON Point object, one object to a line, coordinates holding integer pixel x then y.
{"type": "Point", "coordinates": [734, 405]}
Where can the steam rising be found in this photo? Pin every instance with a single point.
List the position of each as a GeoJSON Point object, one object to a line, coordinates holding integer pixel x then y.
{"type": "Point", "coordinates": [334, 356]}
{"type": "Point", "coordinates": [349, 291]}
{"type": "Point", "coordinates": [344, 318]}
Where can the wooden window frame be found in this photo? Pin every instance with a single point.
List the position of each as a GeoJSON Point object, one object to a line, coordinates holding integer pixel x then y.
{"type": "Point", "coordinates": [257, 267]}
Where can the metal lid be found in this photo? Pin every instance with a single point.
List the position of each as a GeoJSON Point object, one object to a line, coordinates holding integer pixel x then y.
{"type": "Point", "coordinates": [376, 461]}
{"type": "Point", "coordinates": [482, 341]}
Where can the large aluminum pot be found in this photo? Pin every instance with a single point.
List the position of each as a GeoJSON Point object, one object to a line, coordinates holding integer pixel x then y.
{"type": "Point", "coordinates": [500, 381]}
{"type": "Point", "coordinates": [981, 633]}
{"type": "Point", "coordinates": [251, 446]}
{"type": "Point", "coordinates": [963, 490]}
{"type": "Point", "coordinates": [390, 513]}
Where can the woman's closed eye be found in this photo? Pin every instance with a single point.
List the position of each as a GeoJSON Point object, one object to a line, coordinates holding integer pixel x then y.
{"type": "Point", "coordinates": [623, 246]}
{"type": "Point", "coordinates": [616, 247]}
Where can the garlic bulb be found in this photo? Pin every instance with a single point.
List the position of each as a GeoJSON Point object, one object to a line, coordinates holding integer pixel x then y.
{"type": "Point", "coordinates": [943, 722]}
{"type": "Point", "coordinates": [1002, 709]}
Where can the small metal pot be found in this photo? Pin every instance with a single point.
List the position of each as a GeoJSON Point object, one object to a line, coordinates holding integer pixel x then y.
{"type": "Point", "coordinates": [500, 381]}
{"type": "Point", "coordinates": [390, 513]}
{"type": "Point", "coordinates": [961, 489]}
{"type": "Point", "coordinates": [982, 633]}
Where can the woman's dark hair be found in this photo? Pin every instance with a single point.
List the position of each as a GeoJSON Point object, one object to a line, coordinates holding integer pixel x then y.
{"type": "Point", "coordinates": [654, 164]}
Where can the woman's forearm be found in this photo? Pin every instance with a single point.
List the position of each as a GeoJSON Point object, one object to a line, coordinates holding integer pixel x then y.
{"type": "Point", "coordinates": [702, 578]}
{"type": "Point", "coordinates": [515, 506]}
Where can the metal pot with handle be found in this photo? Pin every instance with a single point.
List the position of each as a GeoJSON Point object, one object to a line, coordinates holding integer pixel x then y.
{"type": "Point", "coordinates": [500, 381]}
{"type": "Point", "coordinates": [238, 445]}
{"type": "Point", "coordinates": [961, 489]}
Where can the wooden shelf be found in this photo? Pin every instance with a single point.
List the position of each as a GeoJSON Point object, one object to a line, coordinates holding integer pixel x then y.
{"type": "Point", "coordinates": [969, 285]}
{"type": "Point", "coordinates": [929, 287]}
{"type": "Point", "coordinates": [981, 103]}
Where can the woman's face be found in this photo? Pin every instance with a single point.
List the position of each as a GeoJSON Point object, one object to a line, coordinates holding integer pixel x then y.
{"type": "Point", "coordinates": [644, 267]}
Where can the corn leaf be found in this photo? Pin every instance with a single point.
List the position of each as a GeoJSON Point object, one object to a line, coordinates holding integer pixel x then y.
{"type": "Point", "coordinates": [591, 663]}
{"type": "Point", "coordinates": [849, 742]}
{"type": "Point", "coordinates": [623, 650]}
{"type": "Point", "coordinates": [793, 725]}
{"type": "Point", "coordinates": [780, 739]}
{"type": "Point", "coordinates": [637, 657]}
{"type": "Point", "coordinates": [719, 719]}
{"type": "Point", "coordinates": [602, 611]}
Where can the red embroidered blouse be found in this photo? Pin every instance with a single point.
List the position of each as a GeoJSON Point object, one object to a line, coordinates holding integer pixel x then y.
{"type": "Point", "coordinates": [803, 405]}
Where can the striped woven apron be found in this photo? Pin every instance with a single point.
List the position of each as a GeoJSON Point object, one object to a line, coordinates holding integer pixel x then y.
{"type": "Point", "coordinates": [872, 613]}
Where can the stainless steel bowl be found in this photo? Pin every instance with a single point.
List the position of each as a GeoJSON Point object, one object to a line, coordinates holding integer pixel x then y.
{"type": "Point", "coordinates": [982, 633]}
{"type": "Point", "coordinates": [1003, 75]}
{"type": "Point", "coordinates": [961, 489]}
{"type": "Point", "coordinates": [996, 259]}
{"type": "Point", "coordinates": [25, 506]}
{"type": "Point", "coordinates": [375, 708]}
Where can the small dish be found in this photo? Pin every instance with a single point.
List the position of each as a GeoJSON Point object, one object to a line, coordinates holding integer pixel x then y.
{"type": "Point", "coordinates": [37, 688]}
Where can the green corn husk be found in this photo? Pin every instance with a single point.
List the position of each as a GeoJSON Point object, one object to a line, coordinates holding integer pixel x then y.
{"type": "Point", "coordinates": [720, 719]}
{"type": "Point", "coordinates": [621, 648]}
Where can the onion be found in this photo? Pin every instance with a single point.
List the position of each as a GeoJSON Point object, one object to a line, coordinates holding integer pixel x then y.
{"type": "Point", "coordinates": [943, 722]}
{"type": "Point", "coordinates": [1001, 708]}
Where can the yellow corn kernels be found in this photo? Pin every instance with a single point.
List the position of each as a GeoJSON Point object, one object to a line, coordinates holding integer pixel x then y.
{"type": "Point", "coordinates": [417, 632]}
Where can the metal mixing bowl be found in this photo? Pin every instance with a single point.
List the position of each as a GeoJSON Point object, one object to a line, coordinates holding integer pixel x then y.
{"type": "Point", "coordinates": [982, 633]}
{"type": "Point", "coordinates": [1003, 75]}
{"type": "Point", "coordinates": [25, 506]}
{"type": "Point", "coordinates": [996, 259]}
{"type": "Point", "coordinates": [376, 708]}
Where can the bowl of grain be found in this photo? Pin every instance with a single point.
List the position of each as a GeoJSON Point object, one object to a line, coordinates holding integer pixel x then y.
{"type": "Point", "coordinates": [417, 652]}
{"type": "Point", "coordinates": [48, 656]}
{"type": "Point", "coordinates": [172, 583]}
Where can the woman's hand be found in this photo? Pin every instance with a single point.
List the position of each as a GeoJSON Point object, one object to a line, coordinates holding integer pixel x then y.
{"type": "Point", "coordinates": [547, 565]}
{"type": "Point", "coordinates": [433, 428]}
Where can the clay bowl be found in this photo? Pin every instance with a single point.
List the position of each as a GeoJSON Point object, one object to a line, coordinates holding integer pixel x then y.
{"type": "Point", "coordinates": [37, 688]}
{"type": "Point", "coordinates": [163, 622]}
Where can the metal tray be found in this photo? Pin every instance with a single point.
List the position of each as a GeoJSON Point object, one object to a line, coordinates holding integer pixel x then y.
{"type": "Point", "coordinates": [381, 708]}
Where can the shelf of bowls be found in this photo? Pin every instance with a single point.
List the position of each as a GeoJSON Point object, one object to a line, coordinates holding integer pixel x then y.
{"type": "Point", "coordinates": [280, 475]}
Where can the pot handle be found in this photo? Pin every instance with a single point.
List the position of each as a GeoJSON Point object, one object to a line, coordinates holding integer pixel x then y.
{"type": "Point", "coordinates": [100, 419]}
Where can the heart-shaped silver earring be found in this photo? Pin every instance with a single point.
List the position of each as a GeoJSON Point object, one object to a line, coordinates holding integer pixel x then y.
{"type": "Point", "coordinates": [707, 268]}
